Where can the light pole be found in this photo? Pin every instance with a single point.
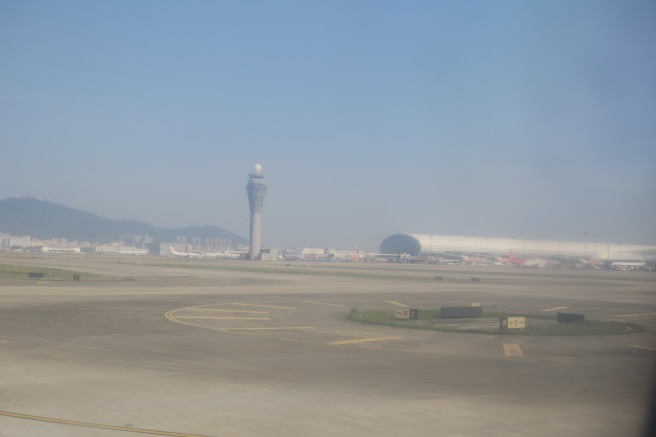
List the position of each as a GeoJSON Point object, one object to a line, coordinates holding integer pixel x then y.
{"type": "Point", "coordinates": [585, 245]}
{"type": "Point", "coordinates": [594, 247]}
{"type": "Point", "coordinates": [619, 251]}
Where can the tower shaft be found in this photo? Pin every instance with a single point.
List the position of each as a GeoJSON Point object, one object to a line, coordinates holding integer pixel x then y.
{"type": "Point", "coordinates": [256, 190]}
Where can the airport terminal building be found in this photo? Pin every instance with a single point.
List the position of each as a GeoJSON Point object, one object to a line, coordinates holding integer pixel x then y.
{"type": "Point", "coordinates": [444, 245]}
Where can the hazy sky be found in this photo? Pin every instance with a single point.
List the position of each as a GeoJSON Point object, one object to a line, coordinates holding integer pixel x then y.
{"type": "Point", "coordinates": [525, 119]}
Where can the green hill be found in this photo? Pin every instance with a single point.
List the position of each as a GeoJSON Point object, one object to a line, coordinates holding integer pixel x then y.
{"type": "Point", "coordinates": [45, 220]}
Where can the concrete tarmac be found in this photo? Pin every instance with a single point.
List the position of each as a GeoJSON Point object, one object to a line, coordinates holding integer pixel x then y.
{"type": "Point", "coordinates": [162, 346]}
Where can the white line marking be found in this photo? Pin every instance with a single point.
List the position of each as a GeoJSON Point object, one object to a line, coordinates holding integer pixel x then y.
{"type": "Point", "coordinates": [637, 346]}
{"type": "Point", "coordinates": [554, 309]}
{"type": "Point", "coordinates": [324, 303]}
{"type": "Point", "coordinates": [636, 315]}
{"type": "Point", "coordinates": [398, 304]}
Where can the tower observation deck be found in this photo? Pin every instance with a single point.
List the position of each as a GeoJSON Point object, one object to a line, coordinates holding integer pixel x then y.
{"type": "Point", "coordinates": [256, 190]}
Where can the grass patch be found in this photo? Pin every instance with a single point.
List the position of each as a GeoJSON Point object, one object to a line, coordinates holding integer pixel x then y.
{"type": "Point", "coordinates": [537, 324]}
{"type": "Point", "coordinates": [591, 327]}
{"type": "Point", "coordinates": [22, 272]}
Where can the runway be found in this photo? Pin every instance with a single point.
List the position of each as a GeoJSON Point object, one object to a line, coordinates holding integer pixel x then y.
{"type": "Point", "coordinates": [222, 348]}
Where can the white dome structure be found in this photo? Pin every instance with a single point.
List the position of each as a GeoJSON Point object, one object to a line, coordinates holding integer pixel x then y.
{"type": "Point", "coordinates": [437, 245]}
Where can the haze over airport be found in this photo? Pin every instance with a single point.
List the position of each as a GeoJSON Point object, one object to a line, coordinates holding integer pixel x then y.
{"type": "Point", "coordinates": [528, 120]}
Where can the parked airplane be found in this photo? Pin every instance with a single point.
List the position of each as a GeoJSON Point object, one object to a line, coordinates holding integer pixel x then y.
{"type": "Point", "coordinates": [228, 254]}
{"type": "Point", "coordinates": [472, 260]}
{"type": "Point", "coordinates": [534, 263]}
{"type": "Point", "coordinates": [173, 252]}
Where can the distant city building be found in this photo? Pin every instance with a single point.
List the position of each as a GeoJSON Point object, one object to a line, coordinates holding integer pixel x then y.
{"type": "Point", "coordinates": [313, 251]}
{"type": "Point", "coordinates": [119, 250]}
{"type": "Point", "coordinates": [346, 255]}
{"type": "Point", "coordinates": [323, 254]}
{"type": "Point", "coordinates": [105, 249]}
{"type": "Point", "coordinates": [133, 240]}
{"type": "Point", "coordinates": [311, 254]}
{"type": "Point", "coordinates": [8, 241]}
{"type": "Point", "coordinates": [256, 190]}
{"type": "Point", "coordinates": [59, 250]}
{"type": "Point", "coordinates": [270, 254]}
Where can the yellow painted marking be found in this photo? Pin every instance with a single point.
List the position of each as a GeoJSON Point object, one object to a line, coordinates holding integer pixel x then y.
{"type": "Point", "coordinates": [398, 304]}
{"type": "Point", "coordinates": [176, 319]}
{"type": "Point", "coordinates": [264, 306]}
{"type": "Point", "coordinates": [97, 425]}
{"type": "Point", "coordinates": [275, 328]}
{"type": "Point", "coordinates": [363, 340]}
{"type": "Point", "coordinates": [169, 315]}
{"type": "Point", "coordinates": [42, 282]}
{"type": "Point", "coordinates": [636, 315]}
{"type": "Point", "coordinates": [512, 350]}
{"type": "Point", "coordinates": [324, 303]}
{"type": "Point", "coordinates": [199, 306]}
{"type": "Point", "coordinates": [225, 311]}
{"type": "Point", "coordinates": [223, 318]}
{"type": "Point", "coordinates": [647, 348]}
{"type": "Point", "coordinates": [476, 304]}
{"type": "Point", "coordinates": [554, 309]}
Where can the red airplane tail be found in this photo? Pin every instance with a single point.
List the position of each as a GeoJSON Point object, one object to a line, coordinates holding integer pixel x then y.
{"type": "Point", "coordinates": [514, 260]}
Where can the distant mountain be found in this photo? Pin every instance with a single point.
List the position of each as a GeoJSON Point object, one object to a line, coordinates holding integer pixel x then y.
{"type": "Point", "coordinates": [46, 220]}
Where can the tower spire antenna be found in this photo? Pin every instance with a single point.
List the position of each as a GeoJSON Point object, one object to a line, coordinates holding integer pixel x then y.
{"type": "Point", "coordinates": [256, 190]}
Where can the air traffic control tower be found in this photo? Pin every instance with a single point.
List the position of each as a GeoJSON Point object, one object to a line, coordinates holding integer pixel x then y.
{"type": "Point", "coordinates": [256, 191]}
